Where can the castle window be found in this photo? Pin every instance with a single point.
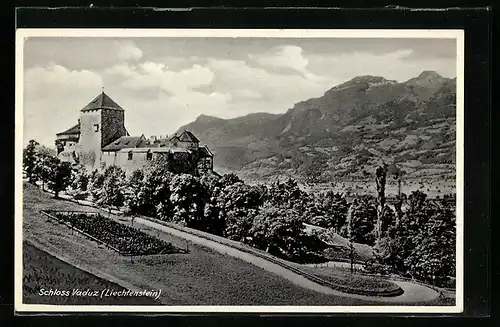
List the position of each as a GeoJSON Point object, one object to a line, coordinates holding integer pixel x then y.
{"type": "Point", "coordinates": [149, 155]}
{"type": "Point", "coordinates": [96, 127]}
{"type": "Point", "coordinates": [130, 155]}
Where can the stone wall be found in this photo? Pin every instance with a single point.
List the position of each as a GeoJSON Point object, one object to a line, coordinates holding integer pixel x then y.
{"type": "Point", "coordinates": [113, 125]}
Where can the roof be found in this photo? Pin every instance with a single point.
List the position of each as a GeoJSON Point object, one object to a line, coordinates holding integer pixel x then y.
{"type": "Point", "coordinates": [72, 130]}
{"type": "Point", "coordinates": [205, 152]}
{"type": "Point", "coordinates": [154, 150]}
{"type": "Point", "coordinates": [158, 143]}
{"type": "Point", "coordinates": [188, 136]}
{"type": "Point", "coordinates": [185, 136]}
{"type": "Point", "coordinates": [210, 172]}
{"type": "Point", "coordinates": [102, 101]}
{"type": "Point", "coordinates": [124, 142]}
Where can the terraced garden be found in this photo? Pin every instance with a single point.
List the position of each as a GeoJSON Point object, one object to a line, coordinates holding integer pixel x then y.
{"type": "Point", "coordinates": [119, 237]}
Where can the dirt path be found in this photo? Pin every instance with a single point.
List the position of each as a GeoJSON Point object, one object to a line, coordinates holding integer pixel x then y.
{"type": "Point", "coordinates": [412, 292]}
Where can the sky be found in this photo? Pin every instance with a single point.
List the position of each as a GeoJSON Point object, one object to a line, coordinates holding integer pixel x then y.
{"type": "Point", "coordinates": [164, 83]}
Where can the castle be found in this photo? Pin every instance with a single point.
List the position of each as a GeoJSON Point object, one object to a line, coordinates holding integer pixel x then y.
{"type": "Point", "coordinates": [100, 139]}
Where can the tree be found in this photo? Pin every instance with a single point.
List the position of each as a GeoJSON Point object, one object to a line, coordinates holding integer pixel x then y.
{"type": "Point", "coordinates": [238, 203]}
{"type": "Point", "coordinates": [363, 220]}
{"type": "Point", "coordinates": [154, 194]}
{"type": "Point", "coordinates": [349, 226]}
{"type": "Point", "coordinates": [29, 160]}
{"type": "Point", "coordinates": [213, 213]}
{"type": "Point", "coordinates": [287, 194]}
{"type": "Point", "coordinates": [113, 187]}
{"type": "Point", "coordinates": [132, 191]}
{"type": "Point", "coordinates": [433, 258]}
{"type": "Point", "coordinates": [238, 223]}
{"type": "Point", "coordinates": [136, 178]}
{"type": "Point", "coordinates": [188, 197]}
{"type": "Point", "coordinates": [60, 176]}
{"type": "Point", "coordinates": [45, 167]}
{"type": "Point", "coordinates": [328, 210]}
{"type": "Point", "coordinates": [380, 179]}
{"type": "Point", "coordinates": [81, 178]}
{"type": "Point", "coordinates": [96, 184]}
{"type": "Point", "coordinates": [401, 197]}
{"type": "Point", "coordinates": [422, 245]}
{"type": "Point", "coordinates": [280, 231]}
{"type": "Point", "coordinates": [229, 179]}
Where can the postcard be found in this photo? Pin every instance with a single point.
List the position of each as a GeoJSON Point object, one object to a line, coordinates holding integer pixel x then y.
{"type": "Point", "coordinates": [238, 170]}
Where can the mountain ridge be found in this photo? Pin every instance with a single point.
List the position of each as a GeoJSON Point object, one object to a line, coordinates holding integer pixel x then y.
{"type": "Point", "coordinates": [344, 133]}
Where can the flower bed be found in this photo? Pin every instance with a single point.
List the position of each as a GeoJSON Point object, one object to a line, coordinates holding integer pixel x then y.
{"type": "Point", "coordinates": [121, 238]}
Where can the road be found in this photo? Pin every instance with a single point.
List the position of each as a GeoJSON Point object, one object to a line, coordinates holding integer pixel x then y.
{"type": "Point", "coordinates": [412, 292]}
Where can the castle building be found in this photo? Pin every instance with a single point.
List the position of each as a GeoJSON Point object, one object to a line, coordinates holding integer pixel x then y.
{"type": "Point", "coordinates": [100, 139]}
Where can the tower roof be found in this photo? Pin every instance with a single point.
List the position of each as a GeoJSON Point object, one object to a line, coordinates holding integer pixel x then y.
{"type": "Point", "coordinates": [72, 130]}
{"type": "Point", "coordinates": [102, 101]}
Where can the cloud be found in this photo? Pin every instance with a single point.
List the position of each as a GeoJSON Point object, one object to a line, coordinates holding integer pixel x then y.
{"type": "Point", "coordinates": [248, 94]}
{"type": "Point", "coordinates": [54, 78]}
{"type": "Point", "coordinates": [151, 75]}
{"type": "Point", "coordinates": [127, 50]}
{"type": "Point", "coordinates": [285, 56]}
{"type": "Point", "coordinates": [52, 97]}
{"type": "Point", "coordinates": [236, 76]}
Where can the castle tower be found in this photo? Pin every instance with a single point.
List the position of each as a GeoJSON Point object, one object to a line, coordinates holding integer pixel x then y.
{"type": "Point", "coordinates": [101, 122]}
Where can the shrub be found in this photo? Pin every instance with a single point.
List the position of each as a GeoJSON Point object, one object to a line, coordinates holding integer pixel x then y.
{"type": "Point", "coordinates": [113, 187]}
{"type": "Point", "coordinates": [59, 177]}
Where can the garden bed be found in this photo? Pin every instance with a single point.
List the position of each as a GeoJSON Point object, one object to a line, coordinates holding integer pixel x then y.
{"type": "Point", "coordinates": [123, 239]}
{"type": "Point", "coordinates": [354, 283]}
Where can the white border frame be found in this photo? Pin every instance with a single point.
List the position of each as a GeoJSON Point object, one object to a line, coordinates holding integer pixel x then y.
{"type": "Point", "coordinates": [22, 34]}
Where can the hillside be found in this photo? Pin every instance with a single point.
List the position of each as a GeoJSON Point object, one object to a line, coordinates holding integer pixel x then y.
{"type": "Point", "coordinates": [344, 133]}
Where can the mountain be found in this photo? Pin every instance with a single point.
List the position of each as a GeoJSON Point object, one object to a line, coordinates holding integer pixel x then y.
{"type": "Point", "coordinates": [344, 133]}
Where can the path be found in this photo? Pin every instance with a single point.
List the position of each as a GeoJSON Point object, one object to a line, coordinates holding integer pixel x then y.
{"type": "Point", "coordinates": [412, 292]}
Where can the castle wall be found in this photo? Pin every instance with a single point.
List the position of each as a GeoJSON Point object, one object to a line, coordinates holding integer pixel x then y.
{"type": "Point", "coordinates": [90, 138]}
{"type": "Point", "coordinates": [109, 158]}
{"type": "Point", "coordinates": [138, 161]}
{"type": "Point", "coordinates": [113, 125]}
{"type": "Point", "coordinates": [178, 162]}
{"type": "Point", "coordinates": [98, 128]}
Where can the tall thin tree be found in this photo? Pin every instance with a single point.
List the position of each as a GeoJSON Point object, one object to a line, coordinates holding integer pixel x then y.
{"type": "Point", "coordinates": [380, 179]}
{"type": "Point", "coordinates": [399, 200]}
{"type": "Point", "coordinates": [350, 234]}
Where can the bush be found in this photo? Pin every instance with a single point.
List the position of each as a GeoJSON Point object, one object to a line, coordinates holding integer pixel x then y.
{"type": "Point", "coordinates": [280, 231]}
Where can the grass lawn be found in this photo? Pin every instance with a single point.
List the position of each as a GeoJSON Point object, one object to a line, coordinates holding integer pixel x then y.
{"type": "Point", "coordinates": [201, 277]}
{"type": "Point", "coordinates": [357, 284]}
{"type": "Point", "coordinates": [44, 271]}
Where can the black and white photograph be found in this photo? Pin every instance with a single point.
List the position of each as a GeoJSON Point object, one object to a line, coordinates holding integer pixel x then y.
{"type": "Point", "coordinates": [239, 170]}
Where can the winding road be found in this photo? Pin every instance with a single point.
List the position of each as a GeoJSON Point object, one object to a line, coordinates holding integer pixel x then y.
{"type": "Point", "coordinates": [412, 292]}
